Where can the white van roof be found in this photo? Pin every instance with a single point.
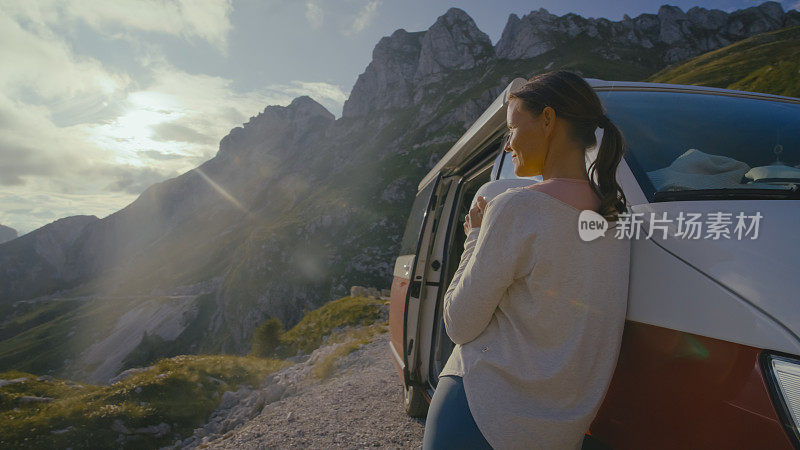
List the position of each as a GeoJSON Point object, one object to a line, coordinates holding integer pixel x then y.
{"type": "Point", "coordinates": [495, 116]}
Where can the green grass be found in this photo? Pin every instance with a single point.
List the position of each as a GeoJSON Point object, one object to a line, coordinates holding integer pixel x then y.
{"type": "Point", "coordinates": [27, 316]}
{"type": "Point", "coordinates": [41, 348]}
{"type": "Point", "coordinates": [767, 63]}
{"type": "Point", "coordinates": [180, 392]}
{"type": "Point", "coordinates": [308, 334]}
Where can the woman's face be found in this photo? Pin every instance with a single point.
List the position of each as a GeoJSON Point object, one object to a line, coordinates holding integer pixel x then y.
{"type": "Point", "coordinates": [527, 142]}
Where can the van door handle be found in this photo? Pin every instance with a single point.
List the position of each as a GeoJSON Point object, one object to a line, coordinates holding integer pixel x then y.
{"type": "Point", "coordinates": [414, 289]}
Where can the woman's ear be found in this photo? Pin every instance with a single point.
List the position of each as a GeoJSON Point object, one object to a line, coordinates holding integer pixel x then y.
{"type": "Point", "coordinates": [548, 120]}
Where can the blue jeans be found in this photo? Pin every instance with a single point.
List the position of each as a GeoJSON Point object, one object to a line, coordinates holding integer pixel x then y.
{"type": "Point", "coordinates": [450, 423]}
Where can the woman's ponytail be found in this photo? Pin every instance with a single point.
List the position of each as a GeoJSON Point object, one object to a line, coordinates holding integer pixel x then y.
{"type": "Point", "coordinates": [604, 170]}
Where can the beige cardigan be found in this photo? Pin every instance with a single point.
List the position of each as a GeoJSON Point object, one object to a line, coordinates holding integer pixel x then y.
{"type": "Point", "coordinates": [537, 316]}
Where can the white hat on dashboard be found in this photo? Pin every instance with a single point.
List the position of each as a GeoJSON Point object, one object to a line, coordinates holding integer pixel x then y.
{"type": "Point", "coordinates": [699, 170]}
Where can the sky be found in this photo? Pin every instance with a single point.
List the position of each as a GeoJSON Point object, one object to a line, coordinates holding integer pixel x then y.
{"type": "Point", "coordinates": [100, 99]}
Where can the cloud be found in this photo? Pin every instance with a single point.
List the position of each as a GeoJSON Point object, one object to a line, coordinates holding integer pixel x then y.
{"type": "Point", "coordinates": [44, 68]}
{"type": "Point", "coordinates": [31, 145]}
{"type": "Point", "coordinates": [207, 20]}
{"type": "Point", "coordinates": [174, 131]}
{"type": "Point", "coordinates": [364, 17]}
{"type": "Point", "coordinates": [159, 156]}
{"type": "Point", "coordinates": [314, 14]}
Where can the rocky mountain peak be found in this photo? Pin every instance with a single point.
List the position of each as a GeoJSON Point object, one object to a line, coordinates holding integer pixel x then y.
{"type": "Point", "coordinates": [43, 252]}
{"type": "Point", "coordinates": [272, 127]}
{"type": "Point", "coordinates": [452, 42]}
{"type": "Point", "coordinates": [305, 107]}
{"type": "Point", "coordinates": [301, 108]}
{"type": "Point", "coordinates": [7, 234]}
{"type": "Point", "coordinates": [388, 80]}
{"type": "Point", "coordinates": [674, 35]}
{"type": "Point", "coordinates": [708, 19]}
{"type": "Point", "coordinates": [772, 10]}
{"type": "Point", "coordinates": [529, 36]}
{"type": "Point", "coordinates": [669, 12]}
{"type": "Point", "coordinates": [404, 61]}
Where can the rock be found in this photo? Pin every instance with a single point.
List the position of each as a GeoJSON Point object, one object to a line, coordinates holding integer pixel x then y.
{"type": "Point", "coordinates": [120, 427]}
{"type": "Point", "coordinates": [156, 430]}
{"type": "Point", "coordinates": [15, 380]}
{"type": "Point", "coordinates": [290, 416]}
{"type": "Point", "coordinates": [399, 191]}
{"type": "Point", "coordinates": [453, 42]}
{"type": "Point", "coordinates": [297, 358]}
{"type": "Point", "coordinates": [388, 81]}
{"type": "Point", "coordinates": [229, 399]}
{"type": "Point", "coordinates": [360, 291]}
{"type": "Point", "coordinates": [125, 374]}
{"type": "Point", "coordinates": [530, 36]}
{"type": "Point", "coordinates": [45, 378]}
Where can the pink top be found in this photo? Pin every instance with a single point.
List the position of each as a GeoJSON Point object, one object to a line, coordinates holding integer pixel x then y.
{"type": "Point", "coordinates": [574, 192]}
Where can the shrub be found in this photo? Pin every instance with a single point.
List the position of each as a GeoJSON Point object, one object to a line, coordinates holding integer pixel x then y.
{"type": "Point", "coordinates": [266, 337]}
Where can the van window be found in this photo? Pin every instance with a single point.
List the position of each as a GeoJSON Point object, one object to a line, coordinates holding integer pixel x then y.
{"type": "Point", "coordinates": [696, 142]}
{"type": "Point", "coordinates": [408, 246]}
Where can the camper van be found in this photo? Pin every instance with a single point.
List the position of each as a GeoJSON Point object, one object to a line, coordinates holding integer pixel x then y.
{"type": "Point", "coordinates": [710, 355]}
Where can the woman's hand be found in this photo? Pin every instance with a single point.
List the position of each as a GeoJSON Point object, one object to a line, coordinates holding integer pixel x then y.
{"type": "Point", "coordinates": [475, 215]}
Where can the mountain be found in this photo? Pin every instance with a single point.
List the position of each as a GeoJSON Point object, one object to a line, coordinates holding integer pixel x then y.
{"type": "Point", "coordinates": [7, 234]}
{"type": "Point", "coordinates": [37, 263]}
{"type": "Point", "coordinates": [643, 45]}
{"type": "Point", "coordinates": [768, 63]}
{"type": "Point", "coordinates": [298, 206]}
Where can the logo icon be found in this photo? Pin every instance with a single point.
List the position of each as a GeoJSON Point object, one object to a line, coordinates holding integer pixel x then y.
{"type": "Point", "coordinates": [591, 225]}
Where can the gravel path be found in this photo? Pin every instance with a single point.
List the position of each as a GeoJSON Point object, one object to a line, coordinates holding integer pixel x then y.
{"type": "Point", "coordinates": [360, 406]}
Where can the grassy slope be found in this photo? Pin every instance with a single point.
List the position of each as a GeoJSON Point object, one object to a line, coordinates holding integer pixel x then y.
{"type": "Point", "coordinates": [40, 338]}
{"type": "Point", "coordinates": [180, 391]}
{"type": "Point", "coordinates": [39, 343]}
{"type": "Point", "coordinates": [767, 63]}
{"type": "Point", "coordinates": [308, 334]}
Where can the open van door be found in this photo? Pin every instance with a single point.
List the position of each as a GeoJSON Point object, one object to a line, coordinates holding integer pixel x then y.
{"type": "Point", "coordinates": [407, 286]}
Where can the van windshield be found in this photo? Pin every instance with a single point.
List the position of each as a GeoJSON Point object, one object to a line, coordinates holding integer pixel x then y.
{"type": "Point", "coordinates": [688, 143]}
{"type": "Point", "coordinates": [699, 145]}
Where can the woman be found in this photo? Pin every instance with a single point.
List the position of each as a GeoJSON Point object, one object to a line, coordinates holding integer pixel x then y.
{"type": "Point", "coordinates": [535, 312]}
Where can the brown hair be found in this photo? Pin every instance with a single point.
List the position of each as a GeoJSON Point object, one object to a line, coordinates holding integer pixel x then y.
{"type": "Point", "coordinates": [576, 102]}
